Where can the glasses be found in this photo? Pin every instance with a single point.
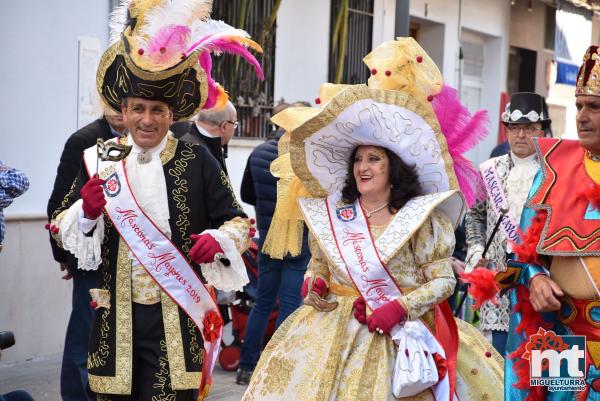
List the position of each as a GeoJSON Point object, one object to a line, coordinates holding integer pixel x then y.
{"type": "Point", "coordinates": [234, 123]}
{"type": "Point", "coordinates": [527, 129]}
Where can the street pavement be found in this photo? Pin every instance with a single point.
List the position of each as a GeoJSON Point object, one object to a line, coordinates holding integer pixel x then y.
{"type": "Point", "coordinates": [41, 378]}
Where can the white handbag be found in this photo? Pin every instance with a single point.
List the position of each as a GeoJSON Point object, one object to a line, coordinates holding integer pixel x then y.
{"type": "Point", "coordinates": [414, 370]}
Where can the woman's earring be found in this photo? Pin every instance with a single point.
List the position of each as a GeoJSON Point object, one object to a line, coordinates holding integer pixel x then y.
{"type": "Point", "coordinates": [391, 186]}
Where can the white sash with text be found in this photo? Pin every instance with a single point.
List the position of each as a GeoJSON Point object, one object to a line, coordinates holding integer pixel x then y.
{"type": "Point", "coordinates": [367, 271]}
{"type": "Point", "coordinates": [154, 250]}
{"type": "Point", "coordinates": [497, 198]}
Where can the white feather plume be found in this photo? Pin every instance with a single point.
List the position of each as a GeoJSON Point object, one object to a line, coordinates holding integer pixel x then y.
{"type": "Point", "coordinates": [176, 12]}
{"type": "Point", "coordinates": [200, 29]}
{"type": "Point", "coordinates": [117, 21]}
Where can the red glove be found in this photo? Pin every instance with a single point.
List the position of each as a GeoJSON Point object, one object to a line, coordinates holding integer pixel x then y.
{"type": "Point", "coordinates": [386, 317]}
{"type": "Point", "coordinates": [314, 284]}
{"type": "Point", "coordinates": [93, 198]}
{"type": "Point", "coordinates": [360, 310]}
{"type": "Point", "coordinates": [205, 248]}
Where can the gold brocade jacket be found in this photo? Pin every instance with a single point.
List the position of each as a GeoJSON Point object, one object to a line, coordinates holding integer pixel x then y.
{"type": "Point", "coordinates": [200, 197]}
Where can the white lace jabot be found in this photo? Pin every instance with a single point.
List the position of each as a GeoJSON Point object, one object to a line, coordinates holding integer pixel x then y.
{"type": "Point", "coordinates": [519, 182]}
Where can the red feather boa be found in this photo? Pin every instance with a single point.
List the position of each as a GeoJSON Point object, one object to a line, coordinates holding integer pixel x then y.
{"type": "Point", "coordinates": [531, 321]}
{"type": "Point", "coordinates": [527, 249]}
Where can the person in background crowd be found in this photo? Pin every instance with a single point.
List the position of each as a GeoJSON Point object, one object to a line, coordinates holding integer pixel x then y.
{"type": "Point", "coordinates": [73, 376]}
{"type": "Point", "coordinates": [504, 148]}
{"type": "Point", "coordinates": [507, 180]}
{"type": "Point", "coordinates": [214, 129]}
{"type": "Point", "coordinates": [13, 183]}
{"type": "Point", "coordinates": [277, 278]}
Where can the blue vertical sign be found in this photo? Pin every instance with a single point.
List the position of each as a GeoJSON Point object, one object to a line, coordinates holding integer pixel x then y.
{"type": "Point", "coordinates": [566, 73]}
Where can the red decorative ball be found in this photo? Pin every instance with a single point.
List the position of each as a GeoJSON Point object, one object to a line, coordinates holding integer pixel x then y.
{"type": "Point", "coordinates": [373, 71]}
{"type": "Point", "coordinates": [429, 98]}
{"type": "Point", "coordinates": [141, 51]}
{"type": "Point", "coordinates": [94, 304]}
{"type": "Point", "coordinates": [47, 226]}
{"type": "Point", "coordinates": [252, 221]}
{"type": "Point", "coordinates": [488, 354]}
{"type": "Point", "coordinates": [162, 50]}
{"type": "Point", "coordinates": [388, 73]}
{"type": "Point", "coordinates": [419, 59]}
{"type": "Point", "coordinates": [596, 385]}
{"type": "Point", "coordinates": [318, 101]}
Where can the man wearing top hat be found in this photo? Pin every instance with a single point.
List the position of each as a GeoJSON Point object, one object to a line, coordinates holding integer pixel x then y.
{"type": "Point", "coordinates": [507, 180]}
{"type": "Point", "coordinates": [156, 217]}
{"type": "Point", "coordinates": [556, 275]}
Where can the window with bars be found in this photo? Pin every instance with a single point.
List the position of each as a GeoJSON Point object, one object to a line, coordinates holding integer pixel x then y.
{"type": "Point", "coordinates": [351, 39]}
{"type": "Point", "coordinates": [252, 98]}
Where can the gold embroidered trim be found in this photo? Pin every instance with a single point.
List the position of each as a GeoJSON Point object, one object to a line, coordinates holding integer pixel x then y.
{"type": "Point", "coordinates": [226, 183]}
{"type": "Point", "coordinates": [179, 195]}
{"type": "Point", "coordinates": [181, 379]}
{"type": "Point", "coordinates": [65, 201]}
{"type": "Point", "coordinates": [169, 151]}
{"type": "Point", "coordinates": [122, 381]}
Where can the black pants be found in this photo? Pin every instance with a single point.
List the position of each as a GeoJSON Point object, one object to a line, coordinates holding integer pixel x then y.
{"type": "Point", "coordinates": [151, 378]}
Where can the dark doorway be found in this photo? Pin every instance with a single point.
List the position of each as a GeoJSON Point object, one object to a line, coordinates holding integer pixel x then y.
{"type": "Point", "coordinates": [521, 70]}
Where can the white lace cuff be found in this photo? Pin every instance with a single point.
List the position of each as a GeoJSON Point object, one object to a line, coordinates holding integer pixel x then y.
{"type": "Point", "coordinates": [226, 278]}
{"type": "Point", "coordinates": [86, 249]}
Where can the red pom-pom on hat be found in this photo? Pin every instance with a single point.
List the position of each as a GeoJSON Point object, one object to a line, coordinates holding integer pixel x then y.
{"type": "Point", "coordinates": [488, 354]}
{"type": "Point", "coordinates": [318, 101]}
{"type": "Point", "coordinates": [162, 50]}
{"type": "Point", "coordinates": [141, 51]}
{"type": "Point", "coordinates": [419, 59]}
{"type": "Point", "coordinates": [388, 73]}
{"type": "Point", "coordinates": [373, 71]}
{"type": "Point", "coordinates": [429, 98]}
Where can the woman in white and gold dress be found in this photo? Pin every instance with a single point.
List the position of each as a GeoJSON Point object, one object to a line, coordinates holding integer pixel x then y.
{"type": "Point", "coordinates": [375, 159]}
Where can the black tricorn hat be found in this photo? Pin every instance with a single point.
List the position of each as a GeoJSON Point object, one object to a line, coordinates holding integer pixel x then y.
{"type": "Point", "coordinates": [184, 86]}
{"type": "Point", "coordinates": [526, 108]}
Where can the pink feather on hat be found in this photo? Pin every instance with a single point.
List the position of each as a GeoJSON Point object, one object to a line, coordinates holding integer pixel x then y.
{"type": "Point", "coordinates": [462, 131]}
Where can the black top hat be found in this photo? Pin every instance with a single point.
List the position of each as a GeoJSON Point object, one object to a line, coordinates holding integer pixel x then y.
{"type": "Point", "coordinates": [526, 108]}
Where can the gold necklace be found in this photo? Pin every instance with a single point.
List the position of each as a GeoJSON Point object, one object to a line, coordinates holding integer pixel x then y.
{"type": "Point", "coordinates": [369, 213]}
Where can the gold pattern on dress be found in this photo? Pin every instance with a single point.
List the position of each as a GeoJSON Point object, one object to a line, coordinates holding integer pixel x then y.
{"type": "Point", "coordinates": [179, 195]}
{"type": "Point", "coordinates": [181, 379]}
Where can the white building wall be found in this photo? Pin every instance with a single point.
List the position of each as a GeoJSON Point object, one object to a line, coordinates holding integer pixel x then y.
{"type": "Point", "coordinates": [38, 100]}
{"type": "Point", "coordinates": [489, 19]}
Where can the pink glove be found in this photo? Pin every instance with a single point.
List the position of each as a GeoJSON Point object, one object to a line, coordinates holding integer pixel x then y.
{"type": "Point", "coordinates": [205, 248]}
{"type": "Point", "coordinates": [360, 310]}
{"type": "Point", "coordinates": [386, 317]}
{"type": "Point", "coordinates": [318, 286]}
{"type": "Point", "coordinates": [93, 198]}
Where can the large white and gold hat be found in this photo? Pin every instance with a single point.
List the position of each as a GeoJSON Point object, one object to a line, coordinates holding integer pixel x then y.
{"type": "Point", "coordinates": [405, 108]}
